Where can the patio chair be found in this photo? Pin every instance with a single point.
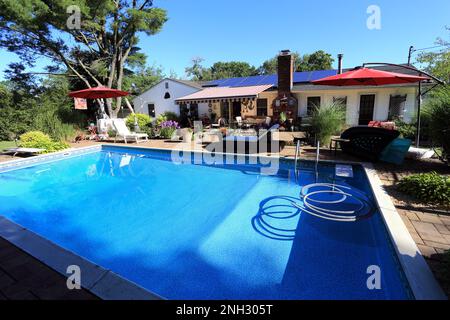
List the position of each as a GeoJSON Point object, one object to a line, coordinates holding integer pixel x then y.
{"type": "Point", "coordinates": [222, 122]}
{"type": "Point", "coordinates": [124, 133]}
{"type": "Point", "coordinates": [239, 122]}
{"type": "Point", "coordinates": [367, 142]}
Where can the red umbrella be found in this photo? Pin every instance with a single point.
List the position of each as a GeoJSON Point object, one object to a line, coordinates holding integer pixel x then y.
{"type": "Point", "coordinates": [368, 77]}
{"type": "Point", "coordinates": [98, 93]}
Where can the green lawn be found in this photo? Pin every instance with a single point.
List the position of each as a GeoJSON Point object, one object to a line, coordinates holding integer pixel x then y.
{"type": "Point", "coordinates": [7, 144]}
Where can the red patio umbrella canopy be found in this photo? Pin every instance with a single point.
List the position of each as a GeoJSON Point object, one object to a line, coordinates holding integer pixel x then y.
{"type": "Point", "coordinates": [98, 93]}
{"type": "Point", "coordinates": [368, 77]}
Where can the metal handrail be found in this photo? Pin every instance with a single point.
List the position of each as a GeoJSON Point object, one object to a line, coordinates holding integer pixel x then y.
{"type": "Point", "coordinates": [317, 152]}
{"type": "Point", "coordinates": [297, 153]}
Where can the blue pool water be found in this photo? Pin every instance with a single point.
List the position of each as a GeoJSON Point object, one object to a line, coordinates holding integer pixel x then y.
{"type": "Point", "coordinates": [203, 232]}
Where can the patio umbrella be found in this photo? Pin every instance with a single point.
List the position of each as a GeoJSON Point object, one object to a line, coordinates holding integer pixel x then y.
{"type": "Point", "coordinates": [368, 77]}
{"type": "Point", "coordinates": [102, 92]}
{"type": "Point", "coordinates": [98, 93]}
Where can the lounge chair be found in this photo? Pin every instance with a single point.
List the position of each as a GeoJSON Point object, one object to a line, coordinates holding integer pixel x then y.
{"type": "Point", "coordinates": [124, 133]}
{"type": "Point", "coordinates": [26, 151]}
{"type": "Point", "coordinates": [367, 142]}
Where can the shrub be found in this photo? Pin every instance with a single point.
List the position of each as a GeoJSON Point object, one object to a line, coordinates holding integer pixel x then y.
{"type": "Point", "coordinates": [437, 109]}
{"type": "Point", "coordinates": [166, 116]}
{"type": "Point", "coordinates": [168, 128]}
{"type": "Point", "coordinates": [38, 139]}
{"type": "Point", "coordinates": [143, 121]}
{"type": "Point", "coordinates": [47, 121]}
{"type": "Point", "coordinates": [327, 120]}
{"type": "Point", "coordinates": [427, 187]}
{"type": "Point", "coordinates": [407, 130]}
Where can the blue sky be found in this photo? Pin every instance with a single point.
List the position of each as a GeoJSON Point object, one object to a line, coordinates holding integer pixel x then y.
{"type": "Point", "coordinates": [254, 30]}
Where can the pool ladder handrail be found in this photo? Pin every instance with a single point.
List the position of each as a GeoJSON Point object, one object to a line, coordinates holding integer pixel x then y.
{"type": "Point", "coordinates": [297, 154]}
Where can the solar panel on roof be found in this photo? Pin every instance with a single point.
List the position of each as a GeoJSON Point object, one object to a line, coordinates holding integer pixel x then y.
{"type": "Point", "coordinates": [226, 82]}
{"type": "Point", "coordinates": [250, 81]}
{"type": "Point", "coordinates": [316, 75]}
{"type": "Point", "coordinates": [298, 77]}
{"type": "Point", "coordinates": [301, 76]}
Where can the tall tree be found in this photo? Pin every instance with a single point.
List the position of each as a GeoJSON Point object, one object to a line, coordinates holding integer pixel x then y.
{"type": "Point", "coordinates": [319, 60]}
{"type": "Point", "coordinates": [438, 63]}
{"type": "Point", "coordinates": [142, 79]}
{"type": "Point", "coordinates": [219, 70]}
{"type": "Point", "coordinates": [197, 72]}
{"type": "Point", "coordinates": [232, 69]}
{"type": "Point", "coordinates": [97, 53]}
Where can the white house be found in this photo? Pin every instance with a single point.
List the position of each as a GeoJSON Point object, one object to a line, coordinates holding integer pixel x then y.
{"type": "Point", "coordinates": [293, 94]}
{"type": "Point", "coordinates": [289, 92]}
{"type": "Point", "coordinates": [161, 98]}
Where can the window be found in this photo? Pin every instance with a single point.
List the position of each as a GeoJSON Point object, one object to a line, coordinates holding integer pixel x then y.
{"type": "Point", "coordinates": [167, 85]}
{"type": "Point", "coordinates": [184, 110]}
{"type": "Point", "coordinates": [312, 104]}
{"type": "Point", "coordinates": [151, 110]}
{"type": "Point", "coordinates": [396, 106]}
{"type": "Point", "coordinates": [261, 107]}
{"type": "Point", "coordinates": [342, 101]}
{"type": "Point", "coordinates": [167, 95]}
{"type": "Point", "coordinates": [193, 109]}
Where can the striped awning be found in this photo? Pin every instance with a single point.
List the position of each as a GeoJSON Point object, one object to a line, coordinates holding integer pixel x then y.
{"type": "Point", "coordinates": [225, 94]}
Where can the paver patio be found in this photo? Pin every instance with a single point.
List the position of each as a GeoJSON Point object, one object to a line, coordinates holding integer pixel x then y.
{"type": "Point", "coordinates": [23, 277]}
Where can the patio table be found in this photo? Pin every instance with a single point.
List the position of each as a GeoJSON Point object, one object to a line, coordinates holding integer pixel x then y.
{"type": "Point", "coordinates": [335, 142]}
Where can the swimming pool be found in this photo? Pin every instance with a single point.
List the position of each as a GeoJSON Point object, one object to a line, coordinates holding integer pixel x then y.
{"type": "Point", "coordinates": [194, 231]}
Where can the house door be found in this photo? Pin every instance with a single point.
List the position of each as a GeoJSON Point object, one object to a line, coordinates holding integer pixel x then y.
{"type": "Point", "coordinates": [236, 109]}
{"type": "Point", "coordinates": [366, 106]}
{"type": "Point", "coordinates": [151, 110]}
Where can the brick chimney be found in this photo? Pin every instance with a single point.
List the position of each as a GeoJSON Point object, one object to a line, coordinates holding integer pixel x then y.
{"type": "Point", "coordinates": [285, 72]}
{"type": "Point", "coordinates": [285, 102]}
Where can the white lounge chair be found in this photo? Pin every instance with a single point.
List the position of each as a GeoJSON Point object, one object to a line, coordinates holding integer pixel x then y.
{"type": "Point", "coordinates": [15, 151]}
{"type": "Point", "coordinates": [123, 132]}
